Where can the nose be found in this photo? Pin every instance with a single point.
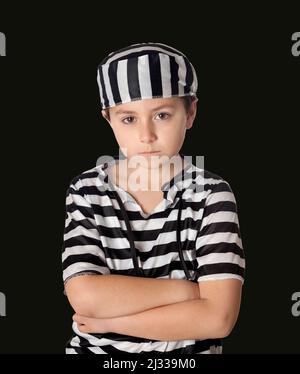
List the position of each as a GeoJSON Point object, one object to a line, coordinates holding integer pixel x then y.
{"type": "Point", "coordinates": [147, 132]}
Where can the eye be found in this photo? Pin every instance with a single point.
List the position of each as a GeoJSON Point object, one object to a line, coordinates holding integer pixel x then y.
{"type": "Point", "coordinates": [163, 115]}
{"type": "Point", "coordinates": [127, 120]}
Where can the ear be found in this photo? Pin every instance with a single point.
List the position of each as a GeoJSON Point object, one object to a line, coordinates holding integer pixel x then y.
{"type": "Point", "coordinates": [105, 115]}
{"type": "Point", "coordinates": [192, 114]}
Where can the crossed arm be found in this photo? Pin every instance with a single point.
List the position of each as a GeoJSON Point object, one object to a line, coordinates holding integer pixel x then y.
{"type": "Point", "coordinates": [160, 309]}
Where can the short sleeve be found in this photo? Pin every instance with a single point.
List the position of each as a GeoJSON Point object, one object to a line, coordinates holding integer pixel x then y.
{"type": "Point", "coordinates": [219, 249]}
{"type": "Point", "coordinates": [82, 251]}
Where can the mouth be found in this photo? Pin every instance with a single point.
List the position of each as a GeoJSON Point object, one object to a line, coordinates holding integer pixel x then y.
{"type": "Point", "coordinates": [149, 153]}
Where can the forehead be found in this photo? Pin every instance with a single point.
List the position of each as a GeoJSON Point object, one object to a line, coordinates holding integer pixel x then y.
{"type": "Point", "coordinates": [147, 105]}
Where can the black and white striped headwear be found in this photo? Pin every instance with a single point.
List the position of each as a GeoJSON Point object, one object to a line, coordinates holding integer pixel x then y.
{"type": "Point", "coordinates": [145, 71]}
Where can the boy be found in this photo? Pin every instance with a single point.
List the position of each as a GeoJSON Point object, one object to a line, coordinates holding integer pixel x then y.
{"type": "Point", "coordinates": [151, 267]}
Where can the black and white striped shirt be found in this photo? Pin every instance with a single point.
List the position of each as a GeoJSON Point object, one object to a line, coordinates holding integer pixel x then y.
{"type": "Point", "coordinates": [97, 240]}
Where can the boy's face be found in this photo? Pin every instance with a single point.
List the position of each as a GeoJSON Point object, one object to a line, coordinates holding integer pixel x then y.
{"type": "Point", "coordinates": [151, 125]}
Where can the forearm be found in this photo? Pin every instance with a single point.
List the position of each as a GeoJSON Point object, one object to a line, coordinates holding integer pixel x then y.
{"type": "Point", "coordinates": [108, 296]}
{"type": "Point", "coordinates": [194, 319]}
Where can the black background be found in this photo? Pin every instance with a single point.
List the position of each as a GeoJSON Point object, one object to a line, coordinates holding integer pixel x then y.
{"type": "Point", "coordinates": [52, 130]}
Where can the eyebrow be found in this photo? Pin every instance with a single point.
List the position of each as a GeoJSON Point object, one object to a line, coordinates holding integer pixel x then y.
{"type": "Point", "coordinates": [121, 111]}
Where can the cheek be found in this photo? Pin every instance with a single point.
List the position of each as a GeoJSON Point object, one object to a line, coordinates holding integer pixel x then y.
{"type": "Point", "coordinates": [172, 134]}
{"type": "Point", "coordinates": [122, 136]}
{"type": "Point", "coordinates": [171, 143]}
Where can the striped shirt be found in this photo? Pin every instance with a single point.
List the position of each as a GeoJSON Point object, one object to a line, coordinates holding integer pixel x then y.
{"type": "Point", "coordinates": [193, 233]}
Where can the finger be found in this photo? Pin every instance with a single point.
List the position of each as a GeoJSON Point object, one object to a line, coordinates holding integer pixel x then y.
{"type": "Point", "coordinates": [78, 318]}
{"type": "Point", "coordinates": [83, 328]}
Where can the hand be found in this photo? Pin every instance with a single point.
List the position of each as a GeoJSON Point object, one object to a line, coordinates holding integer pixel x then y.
{"type": "Point", "coordinates": [91, 325]}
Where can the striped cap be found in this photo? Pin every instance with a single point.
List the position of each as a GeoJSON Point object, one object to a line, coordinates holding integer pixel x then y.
{"type": "Point", "coordinates": [145, 71]}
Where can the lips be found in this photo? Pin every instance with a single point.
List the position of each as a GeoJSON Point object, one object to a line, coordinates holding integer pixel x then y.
{"type": "Point", "coordinates": [147, 153]}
